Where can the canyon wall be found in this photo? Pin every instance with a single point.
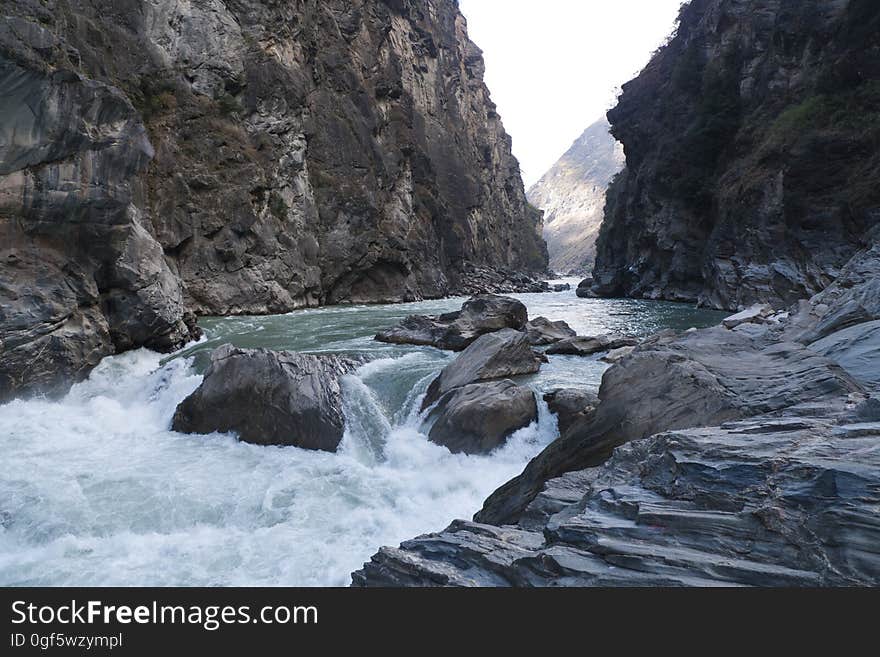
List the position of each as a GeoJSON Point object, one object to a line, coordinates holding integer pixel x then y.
{"type": "Point", "coordinates": [752, 145]}
{"type": "Point", "coordinates": [166, 158]}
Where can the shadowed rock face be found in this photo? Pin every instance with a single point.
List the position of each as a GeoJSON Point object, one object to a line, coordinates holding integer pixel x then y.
{"type": "Point", "coordinates": [81, 276]}
{"type": "Point", "coordinates": [238, 157]}
{"type": "Point", "coordinates": [750, 142]}
{"type": "Point", "coordinates": [269, 398]}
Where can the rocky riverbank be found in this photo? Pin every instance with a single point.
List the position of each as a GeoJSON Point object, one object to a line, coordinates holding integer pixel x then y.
{"type": "Point", "coordinates": [743, 456]}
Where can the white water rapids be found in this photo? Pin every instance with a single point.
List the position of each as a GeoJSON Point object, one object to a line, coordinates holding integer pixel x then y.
{"type": "Point", "coordinates": [96, 489]}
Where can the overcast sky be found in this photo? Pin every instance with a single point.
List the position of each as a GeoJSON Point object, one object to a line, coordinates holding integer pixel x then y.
{"type": "Point", "coordinates": [553, 66]}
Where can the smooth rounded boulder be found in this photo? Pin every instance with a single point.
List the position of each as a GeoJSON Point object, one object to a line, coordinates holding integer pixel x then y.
{"type": "Point", "coordinates": [499, 355]}
{"type": "Point", "coordinates": [269, 398]}
{"type": "Point", "coordinates": [479, 418]}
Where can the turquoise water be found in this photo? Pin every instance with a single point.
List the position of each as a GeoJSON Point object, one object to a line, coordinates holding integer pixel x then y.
{"type": "Point", "coordinates": [97, 490]}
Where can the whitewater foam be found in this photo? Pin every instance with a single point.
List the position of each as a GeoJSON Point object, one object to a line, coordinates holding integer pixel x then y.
{"type": "Point", "coordinates": [98, 491]}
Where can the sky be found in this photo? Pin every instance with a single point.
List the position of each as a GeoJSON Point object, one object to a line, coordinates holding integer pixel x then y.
{"type": "Point", "coordinates": [555, 66]}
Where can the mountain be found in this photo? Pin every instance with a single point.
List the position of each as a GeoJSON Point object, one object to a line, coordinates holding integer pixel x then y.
{"type": "Point", "coordinates": [572, 196]}
{"type": "Point", "coordinates": [752, 153]}
{"type": "Point", "coordinates": [164, 159]}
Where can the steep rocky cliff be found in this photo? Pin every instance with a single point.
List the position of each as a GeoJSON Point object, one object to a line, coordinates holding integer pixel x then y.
{"type": "Point", "coordinates": [572, 196]}
{"type": "Point", "coordinates": [161, 157]}
{"type": "Point", "coordinates": [753, 149]}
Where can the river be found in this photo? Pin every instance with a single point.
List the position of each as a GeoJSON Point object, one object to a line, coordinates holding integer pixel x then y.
{"type": "Point", "coordinates": [96, 490]}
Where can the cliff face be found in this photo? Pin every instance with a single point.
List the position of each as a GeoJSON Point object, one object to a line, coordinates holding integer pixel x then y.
{"type": "Point", "coordinates": [572, 196]}
{"type": "Point", "coordinates": [752, 147]}
{"type": "Point", "coordinates": [165, 156]}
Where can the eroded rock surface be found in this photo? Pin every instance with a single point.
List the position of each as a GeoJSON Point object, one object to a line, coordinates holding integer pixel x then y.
{"type": "Point", "coordinates": [763, 502]}
{"type": "Point", "coordinates": [727, 456]}
{"type": "Point", "coordinates": [587, 346]}
{"type": "Point", "coordinates": [542, 331]}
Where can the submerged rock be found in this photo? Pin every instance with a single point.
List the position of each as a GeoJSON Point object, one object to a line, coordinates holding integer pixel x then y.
{"type": "Point", "coordinates": [587, 346]}
{"type": "Point", "coordinates": [542, 331]}
{"type": "Point", "coordinates": [456, 331]}
{"type": "Point", "coordinates": [478, 418]}
{"type": "Point", "coordinates": [269, 398]}
{"type": "Point", "coordinates": [500, 355]}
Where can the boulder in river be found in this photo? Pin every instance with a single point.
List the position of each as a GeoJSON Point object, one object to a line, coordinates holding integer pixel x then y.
{"type": "Point", "coordinates": [478, 418]}
{"type": "Point", "coordinates": [269, 398]}
{"type": "Point", "coordinates": [542, 331]}
{"type": "Point", "coordinates": [456, 331]}
{"type": "Point", "coordinates": [498, 355]}
{"type": "Point", "coordinates": [587, 346]}
{"type": "Point", "coordinates": [616, 355]}
{"type": "Point", "coordinates": [571, 405]}
{"type": "Point", "coordinates": [585, 289]}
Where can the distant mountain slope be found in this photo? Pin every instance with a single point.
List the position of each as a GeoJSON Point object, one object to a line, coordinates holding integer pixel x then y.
{"type": "Point", "coordinates": [572, 195]}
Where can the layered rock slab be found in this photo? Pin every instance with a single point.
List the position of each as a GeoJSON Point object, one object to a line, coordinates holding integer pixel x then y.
{"type": "Point", "coordinates": [772, 501]}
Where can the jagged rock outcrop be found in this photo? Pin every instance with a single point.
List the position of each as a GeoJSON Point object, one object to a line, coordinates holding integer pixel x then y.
{"type": "Point", "coordinates": [743, 456]}
{"type": "Point", "coordinates": [479, 418]}
{"type": "Point", "coordinates": [238, 157]}
{"type": "Point", "coordinates": [572, 196]}
{"type": "Point", "coordinates": [762, 502]}
{"type": "Point", "coordinates": [456, 331]}
{"type": "Point", "coordinates": [751, 144]}
{"type": "Point", "coordinates": [542, 331]}
{"type": "Point", "coordinates": [269, 398]}
{"type": "Point", "coordinates": [582, 345]}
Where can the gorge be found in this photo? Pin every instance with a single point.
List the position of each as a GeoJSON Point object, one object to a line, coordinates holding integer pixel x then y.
{"type": "Point", "coordinates": [238, 158]}
{"type": "Point", "coordinates": [261, 219]}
